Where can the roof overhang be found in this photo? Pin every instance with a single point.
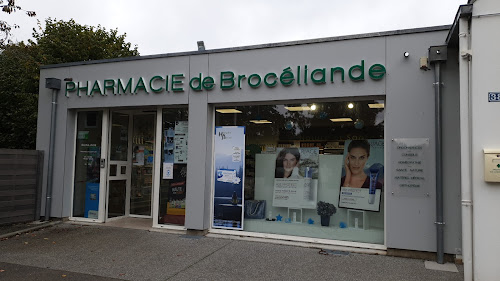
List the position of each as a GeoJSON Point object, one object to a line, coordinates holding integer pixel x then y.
{"type": "Point", "coordinates": [464, 11]}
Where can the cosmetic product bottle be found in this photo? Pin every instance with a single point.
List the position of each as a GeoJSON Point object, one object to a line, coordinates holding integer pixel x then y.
{"type": "Point", "coordinates": [308, 173]}
{"type": "Point", "coordinates": [234, 198]}
{"type": "Point", "coordinates": [373, 184]}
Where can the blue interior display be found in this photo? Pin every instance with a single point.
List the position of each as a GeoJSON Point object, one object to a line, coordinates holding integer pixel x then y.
{"type": "Point", "coordinates": [91, 200]}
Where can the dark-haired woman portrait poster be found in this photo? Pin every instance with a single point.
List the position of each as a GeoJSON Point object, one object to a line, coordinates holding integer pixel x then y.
{"type": "Point", "coordinates": [296, 177]}
{"type": "Point", "coordinates": [362, 174]}
{"type": "Point", "coordinates": [297, 163]}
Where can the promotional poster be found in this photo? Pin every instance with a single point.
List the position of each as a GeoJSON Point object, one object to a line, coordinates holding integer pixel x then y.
{"type": "Point", "coordinates": [177, 191]}
{"type": "Point", "coordinates": [296, 177]}
{"type": "Point", "coordinates": [362, 179]}
{"type": "Point", "coordinates": [92, 200]}
{"type": "Point", "coordinates": [174, 147]}
{"type": "Point", "coordinates": [229, 171]}
{"type": "Point", "coordinates": [180, 142]}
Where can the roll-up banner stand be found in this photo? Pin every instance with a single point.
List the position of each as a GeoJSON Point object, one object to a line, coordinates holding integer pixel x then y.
{"type": "Point", "coordinates": [229, 164]}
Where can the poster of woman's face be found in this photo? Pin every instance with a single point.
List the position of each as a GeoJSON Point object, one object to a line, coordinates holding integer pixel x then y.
{"type": "Point", "coordinates": [361, 157]}
{"type": "Point", "coordinates": [297, 163]}
{"type": "Point", "coordinates": [362, 178]}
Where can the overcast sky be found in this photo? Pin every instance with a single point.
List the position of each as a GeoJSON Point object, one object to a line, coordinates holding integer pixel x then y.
{"type": "Point", "coordinates": [174, 26]}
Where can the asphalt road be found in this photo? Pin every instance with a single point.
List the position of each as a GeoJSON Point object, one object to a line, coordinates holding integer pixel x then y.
{"type": "Point", "coordinates": [77, 252]}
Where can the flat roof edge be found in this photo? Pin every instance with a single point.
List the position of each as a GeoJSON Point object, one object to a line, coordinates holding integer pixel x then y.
{"type": "Point", "coordinates": [462, 12]}
{"type": "Point", "coordinates": [260, 46]}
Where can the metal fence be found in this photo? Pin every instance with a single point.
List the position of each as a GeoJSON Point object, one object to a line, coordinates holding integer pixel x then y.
{"type": "Point", "coordinates": [20, 185]}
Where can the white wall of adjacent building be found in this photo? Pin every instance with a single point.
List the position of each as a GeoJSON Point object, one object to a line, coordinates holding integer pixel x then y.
{"type": "Point", "coordinates": [485, 134]}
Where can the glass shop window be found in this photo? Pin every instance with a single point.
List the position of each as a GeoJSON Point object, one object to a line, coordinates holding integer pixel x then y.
{"type": "Point", "coordinates": [172, 205]}
{"type": "Point", "coordinates": [310, 169]}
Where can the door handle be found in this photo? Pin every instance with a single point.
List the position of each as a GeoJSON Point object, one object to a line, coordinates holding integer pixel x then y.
{"type": "Point", "coordinates": [102, 163]}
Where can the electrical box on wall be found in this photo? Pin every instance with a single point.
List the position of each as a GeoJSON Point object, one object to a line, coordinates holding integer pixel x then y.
{"type": "Point", "coordinates": [492, 165]}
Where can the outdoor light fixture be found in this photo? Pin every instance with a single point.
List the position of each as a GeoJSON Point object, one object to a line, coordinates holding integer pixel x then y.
{"type": "Point", "coordinates": [350, 106]}
{"type": "Point", "coordinates": [201, 46]}
{"type": "Point", "coordinates": [261, 121]}
{"type": "Point", "coordinates": [406, 54]}
{"type": "Point", "coordinates": [299, 108]}
{"type": "Point", "coordinates": [228, 110]}
{"type": "Point", "coordinates": [341, 120]}
{"type": "Point", "coordinates": [313, 107]}
{"type": "Point", "coordinates": [376, 105]}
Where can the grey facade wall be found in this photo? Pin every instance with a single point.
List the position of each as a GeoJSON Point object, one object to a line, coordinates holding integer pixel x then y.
{"type": "Point", "coordinates": [409, 114]}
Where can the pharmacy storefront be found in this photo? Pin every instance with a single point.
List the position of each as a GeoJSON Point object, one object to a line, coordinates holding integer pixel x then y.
{"type": "Point", "coordinates": [328, 141]}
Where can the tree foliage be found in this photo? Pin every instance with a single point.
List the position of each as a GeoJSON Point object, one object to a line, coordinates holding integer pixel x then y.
{"type": "Point", "coordinates": [59, 42]}
{"type": "Point", "coordinates": [18, 101]}
{"type": "Point", "coordinates": [10, 7]}
{"type": "Point", "coordinates": [67, 41]}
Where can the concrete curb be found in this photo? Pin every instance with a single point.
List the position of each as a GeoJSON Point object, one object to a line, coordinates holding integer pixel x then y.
{"type": "Point", "coordinates": [40, 226]}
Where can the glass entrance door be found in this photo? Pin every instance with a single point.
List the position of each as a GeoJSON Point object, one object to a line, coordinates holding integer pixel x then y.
{"type": "Point", "coordinates": [90, 166]}
{"type": "Point", "coordinates": [131, 163]}
{"type": "Point", "coordinates": [121, 186]}
{"type": "Point", "coordinates": [143, 145]}
{"type": "Point", "coordinates": [119, 166]}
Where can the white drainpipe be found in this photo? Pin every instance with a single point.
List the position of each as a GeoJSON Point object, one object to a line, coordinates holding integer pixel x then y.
{"type": "Point", "coordinates": [466, 146]}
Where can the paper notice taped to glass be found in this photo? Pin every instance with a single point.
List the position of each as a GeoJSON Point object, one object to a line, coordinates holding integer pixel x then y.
{"type": "Point", "coordinates": [168, 171]}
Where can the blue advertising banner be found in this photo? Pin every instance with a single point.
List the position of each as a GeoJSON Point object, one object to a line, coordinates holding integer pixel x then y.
{"type": "Point", "coordinates": [229, 163]}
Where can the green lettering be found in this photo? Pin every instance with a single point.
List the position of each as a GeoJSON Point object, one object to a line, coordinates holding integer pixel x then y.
{"type": "Point", "coordinates": [195, 79]}
{"type": "Point", "coordinates": [124, 90]}
{"type": "Point", "coordinates": [298, 75]}
{"type": "Point", "coordinates": [73, 87]}
{"type": "Point", "coordinates": [107, 87]}
{"type": "Point", "coordinates": [86, 88]}
{"type": "Point", "coordinates": [305, 74]}
{"type": "Point", "coordinates": [376, 71]}
{"type": "Point", "coordinates": [240, 77]}
{"type": "Point", "coordinates": [259, 79]}
{"type": "Point", "coordinates": [229, 79]}
{"type": "Point", "coordinates": [337, 69]}
{"type": "Point", "coordinates": [361, 68]}
{"type": "Point", "coordinates": [176, 82]}
{"type": "Point", "coordinates": [140, 85]}
{"type": "Point", "coordinates": [151, 82]}
{"type": "Point", "coordinates": [208, 83]}
{"type": "Point", "coordinates": [287, 78]}
{"type": "Point", "coordinates": [321, 80]}
{"type": "Point", "coordinates": [270, 85]}
{"type": "Point", "coordinates": [96, 88]}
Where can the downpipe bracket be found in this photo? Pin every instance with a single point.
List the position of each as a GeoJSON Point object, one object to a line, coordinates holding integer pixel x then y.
{"type": "Point", "coordinates": [467, 203]}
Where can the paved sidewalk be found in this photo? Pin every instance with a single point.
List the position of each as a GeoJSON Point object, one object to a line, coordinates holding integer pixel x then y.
{"type": "Point", "coordinates": [80, 252]}
{"type": "Point", "coordinates": [10, 229]}
{"type": "Point", "coordinates": [32, 273]}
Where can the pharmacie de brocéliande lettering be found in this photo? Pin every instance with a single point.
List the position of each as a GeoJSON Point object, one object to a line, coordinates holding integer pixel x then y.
{"type": "Point", "coordinates": [228, 80]}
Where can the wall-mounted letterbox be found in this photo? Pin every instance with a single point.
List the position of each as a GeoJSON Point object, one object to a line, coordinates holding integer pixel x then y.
{"type": "Point", "coordinates": [492, 165]}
